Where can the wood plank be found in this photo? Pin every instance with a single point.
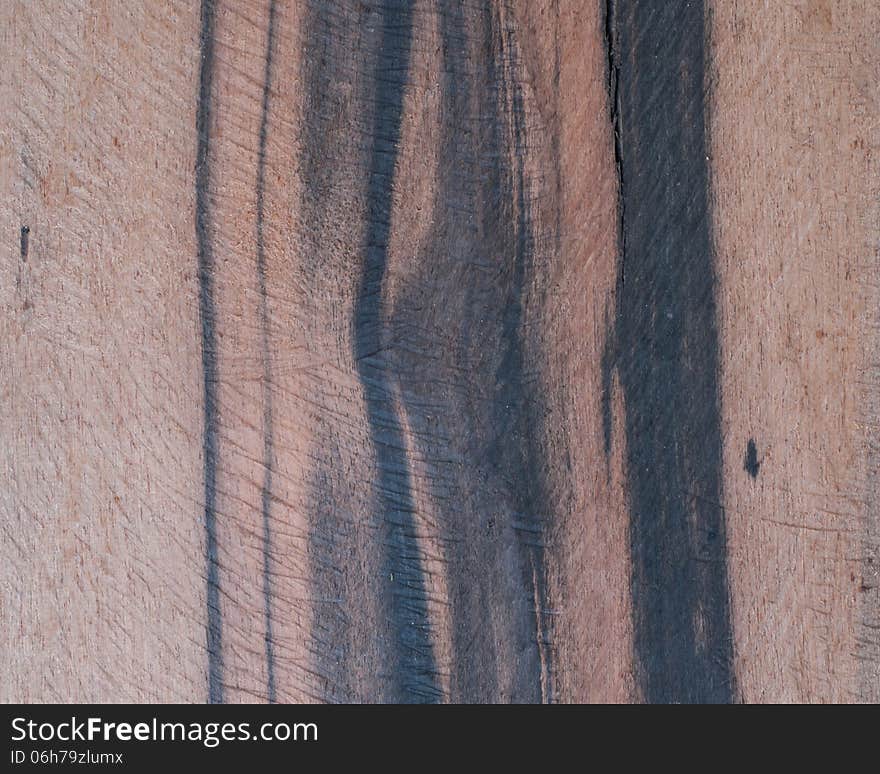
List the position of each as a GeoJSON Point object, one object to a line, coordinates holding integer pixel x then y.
{"type": "Point", "coordinates": [411, 351]}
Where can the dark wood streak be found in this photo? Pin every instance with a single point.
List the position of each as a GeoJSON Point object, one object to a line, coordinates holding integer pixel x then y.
{"type": "Point", "coordinates": [664, 347]}
{"type": "Point", "coordinates": [266, 357]}
{"type": "Point", "coordinates": [339, 638]}
{"type": "Point", "coordinates": [517, 408]}
{"type": "Point", "coordinates": [209, 350]}
{"type": "Point", "coordinates": [438, 416]}
{"type": "Point", "coordinates": [462, 359]}
{"type": "Point", "coordinates": [402, 582]}
{"type": "Point", "coordinates": [332, 535]}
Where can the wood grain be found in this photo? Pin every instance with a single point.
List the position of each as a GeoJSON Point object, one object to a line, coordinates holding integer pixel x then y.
{"type": "Point", "coordinates": [416, 351]}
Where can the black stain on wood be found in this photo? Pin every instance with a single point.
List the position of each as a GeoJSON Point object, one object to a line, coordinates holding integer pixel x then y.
{"type": "Point", "coordinates": [415, 677]}
{"type": "Point", "coordinates": [664, 346]}
{"type": "Point", "coordinates": [23, 243]}
{"type": "Point", "coordinates": [214, 628]}
{"type": "Point", "coordinates": [266, 357]}
{"type": "Point", "coordinates": [751, 464]}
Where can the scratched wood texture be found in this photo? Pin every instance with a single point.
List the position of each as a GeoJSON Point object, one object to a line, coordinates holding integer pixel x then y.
{"type": "Point", "coordinates": [409, 351]}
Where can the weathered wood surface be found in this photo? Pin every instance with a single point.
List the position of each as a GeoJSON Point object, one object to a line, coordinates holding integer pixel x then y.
{"type": "Point", "coordinates": [438, 351]}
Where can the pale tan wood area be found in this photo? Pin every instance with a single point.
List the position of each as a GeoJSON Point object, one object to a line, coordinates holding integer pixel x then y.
{"type": "Point", "coordinates": [795, 175]}
{"type": "Point", "coordinates": [316, 405]}
{"type": "Point", "coordinates": [101, 579]}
